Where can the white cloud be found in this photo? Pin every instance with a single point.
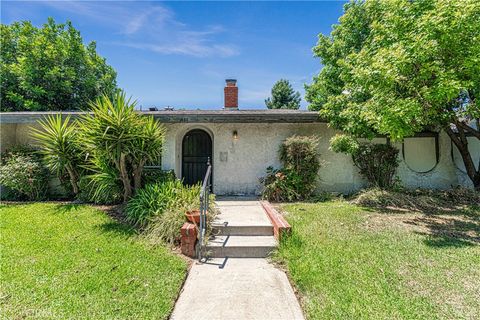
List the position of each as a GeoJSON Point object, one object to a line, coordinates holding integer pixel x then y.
{"type": "Point", "coordinates": [188, 49]}
{"type": "Point", "coordinates": [151, 27]}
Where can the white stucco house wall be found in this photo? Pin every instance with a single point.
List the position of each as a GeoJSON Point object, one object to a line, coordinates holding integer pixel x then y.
{"type": "Point", "coordinates": [243, 143]}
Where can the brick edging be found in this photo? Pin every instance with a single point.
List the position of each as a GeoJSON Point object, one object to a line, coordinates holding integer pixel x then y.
{"type": "Point", "coordinates": [188, 239]}
{"type": "Point", "coordinates": [280, 225]}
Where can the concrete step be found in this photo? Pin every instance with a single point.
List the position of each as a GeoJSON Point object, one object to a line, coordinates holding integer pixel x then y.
{"type": "Point", "coordinates": [240, 246]}
{"type": "Point", "coordinates": [242, 230]}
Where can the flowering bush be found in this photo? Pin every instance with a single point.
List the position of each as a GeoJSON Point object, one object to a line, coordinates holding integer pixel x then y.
{"type": "Point", "coordinates": [277, 186]}
{"type": "Point", "coordinates": [22, 172]}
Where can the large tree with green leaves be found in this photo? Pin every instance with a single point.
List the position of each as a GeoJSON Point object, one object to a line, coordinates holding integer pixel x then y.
{"type": "Point", "coordinates": [400, 67]}
{"type": "Point", "coordinates": [49, 68]}
{"type": "Point", "coordinates": [283, 96]}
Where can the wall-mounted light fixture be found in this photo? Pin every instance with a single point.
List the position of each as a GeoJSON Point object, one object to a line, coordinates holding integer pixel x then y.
{"type": "Point", "coordinates": [235, 135]}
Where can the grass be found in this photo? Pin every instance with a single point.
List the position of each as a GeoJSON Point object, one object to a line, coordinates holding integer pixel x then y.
{"type": "Point", "coordinates": [74, 261]}
{"type": "Point", "coordinates": [350, 262]}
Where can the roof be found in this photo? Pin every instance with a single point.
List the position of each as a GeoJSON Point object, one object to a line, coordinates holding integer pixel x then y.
{"type": "Point", "coordinates": [190, 116]}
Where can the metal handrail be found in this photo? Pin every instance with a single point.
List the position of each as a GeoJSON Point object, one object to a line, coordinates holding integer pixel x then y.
{"type": "Point", "coordinates": [204, 204]}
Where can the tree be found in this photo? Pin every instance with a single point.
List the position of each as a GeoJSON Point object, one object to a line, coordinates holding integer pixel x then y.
{"type": "Point", "coordinates": [283, 96]}
{"type": "Point", "coordinates": [115, 133]}
{"type": "Point", "coordinates": [400, 67]}
{"type": "Point", "coordinates": [49, 68]}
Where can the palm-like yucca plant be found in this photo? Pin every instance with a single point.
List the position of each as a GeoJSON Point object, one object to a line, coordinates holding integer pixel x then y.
{"type": "Point", "coordinates": [111, 130]}
{"type": "Point", "coordinates": [148, 148]}
{"type": "Point", "coordinates": [103, 180]}
{"type": "Point", "coordinates": [59, 146]}
{"type": "Point", "coordinates": [125, 137]}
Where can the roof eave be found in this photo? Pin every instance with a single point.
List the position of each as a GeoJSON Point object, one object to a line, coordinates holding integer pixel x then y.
{"type": "Point", "coordinates": [190, 116]}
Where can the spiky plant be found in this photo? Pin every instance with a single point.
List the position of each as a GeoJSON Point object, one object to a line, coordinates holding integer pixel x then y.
{"type": "Point", "coordinates": [59, 146]}
{"type": "Point", "coordinates": [148, 148]}
{"type": "Point", "coordinates": [111, 130]}
{"type": "Point", "coordinates": [102, 180]}
{"type": "Point", "coordinates": [125, 137]}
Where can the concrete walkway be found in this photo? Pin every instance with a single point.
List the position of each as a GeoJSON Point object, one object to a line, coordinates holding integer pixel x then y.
{"type": "Point", "coordinates": [238, 288]}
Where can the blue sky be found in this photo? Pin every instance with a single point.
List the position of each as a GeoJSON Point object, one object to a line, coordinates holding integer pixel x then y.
{"type": "Point", "coordinates": [179, 53]}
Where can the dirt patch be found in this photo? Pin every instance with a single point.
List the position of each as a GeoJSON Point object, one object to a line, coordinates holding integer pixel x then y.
{"type": "Point", "coordinates": [454, 227]}
{"type": "Point", "coordinates": [449, 218]}
{"type": "Point", "coordinates": [113, 211]}
{"type": "Point", "coordinates": [378, 222]}
{"type": "Point", "coordinates": [420, 200]}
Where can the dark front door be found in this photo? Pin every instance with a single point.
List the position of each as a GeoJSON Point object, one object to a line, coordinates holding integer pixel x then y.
{"type": "Point", "coordinates": [196, 152]}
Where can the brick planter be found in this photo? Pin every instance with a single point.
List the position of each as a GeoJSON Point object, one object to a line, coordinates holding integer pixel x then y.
{"type": "Point", "coordinates": [189, 239]}
{"type": "Point", "coordinates": [280, 225]}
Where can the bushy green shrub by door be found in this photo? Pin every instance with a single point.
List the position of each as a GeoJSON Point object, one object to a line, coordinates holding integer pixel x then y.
{"type": "Point", "coordinates": [297, 179]}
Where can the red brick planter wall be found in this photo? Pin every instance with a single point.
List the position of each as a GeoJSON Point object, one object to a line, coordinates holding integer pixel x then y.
{"type": "Point", "coordinates": [189, 239]}
{"type": "Point", "coordinates": [280, 225]}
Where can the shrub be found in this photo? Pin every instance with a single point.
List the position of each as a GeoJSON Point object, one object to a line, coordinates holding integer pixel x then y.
{"type": "Point", "coordinates": [297, 179]}
{"type": "Point", "coordinates": [100, 184]}
{"type": "Point", "coordinates": [155, 198]}
{"type": "Point", "coordinates": [59, 147]}
{"type": "Point", "coordinates": [156, 175]}
{"type": "Point", "coordinates": [23, 173]}
{"type": "Point", "coordinates": [277, 186]}
{"type": "Point", "coordinates": [378, 163]}
{"type": "Point", "coordinates": [160, 209]}
{"type": "Point", "coordinates": [300, 158]}
{"type": "Point", "coordinates": [165, 228]}
{"type": "Point", "coordinates": [106, 150]}
{"type": "Point", "coordinates": [88, 193]}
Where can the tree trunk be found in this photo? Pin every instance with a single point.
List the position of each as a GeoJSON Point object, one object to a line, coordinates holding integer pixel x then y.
{"type": "Point", "coordinates": [73, 179]}
{"type": "Point", "coordinates": [127, 187]}
{"type": "Point", "coordinates": [461, 143]}
{"type": "Point", "coordinates": [137, 175]}
{"type": "Point", "coordinates": [476, 185]}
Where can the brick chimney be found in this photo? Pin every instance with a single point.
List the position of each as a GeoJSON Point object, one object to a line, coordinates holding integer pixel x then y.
{"type": "Point", "coordinates": [231, 94]}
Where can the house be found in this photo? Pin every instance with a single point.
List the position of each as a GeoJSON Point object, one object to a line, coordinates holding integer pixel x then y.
{"type": "Point", "coordinates": [241, 144]}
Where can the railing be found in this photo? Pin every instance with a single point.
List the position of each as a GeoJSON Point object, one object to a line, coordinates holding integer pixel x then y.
{"type": "Point", "coordinates": [204, 204]}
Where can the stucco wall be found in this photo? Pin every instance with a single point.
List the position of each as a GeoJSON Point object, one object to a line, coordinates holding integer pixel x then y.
{"type": "Point", "coordinates": [238, 164]}
{"type": "Point", "coordinates": [15, 133]}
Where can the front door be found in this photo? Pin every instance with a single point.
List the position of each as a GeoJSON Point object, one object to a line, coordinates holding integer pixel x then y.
{"type": "Point", "coordinates": [196, 152]}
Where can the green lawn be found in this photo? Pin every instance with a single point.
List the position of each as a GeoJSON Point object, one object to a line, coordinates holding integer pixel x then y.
{"type": "Point", "coordinates": [354, 263]}
{"type": "Point", "coordinates": [73, 261]}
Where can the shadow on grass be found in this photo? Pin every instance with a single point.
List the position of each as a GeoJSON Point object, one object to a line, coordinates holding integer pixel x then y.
{"type": "Point", "coordinates": [118, 227]}
{"type": "Point", "coordinates": [442, 227]}
{"type": "Point", "coordinates": [117, 223]}
{"type": "Point", "coordinates": [454, 230]}
{"type": "Point", "coordinates": [447, 242]}
{"type": "Point", "coordinates": [67, 208]}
